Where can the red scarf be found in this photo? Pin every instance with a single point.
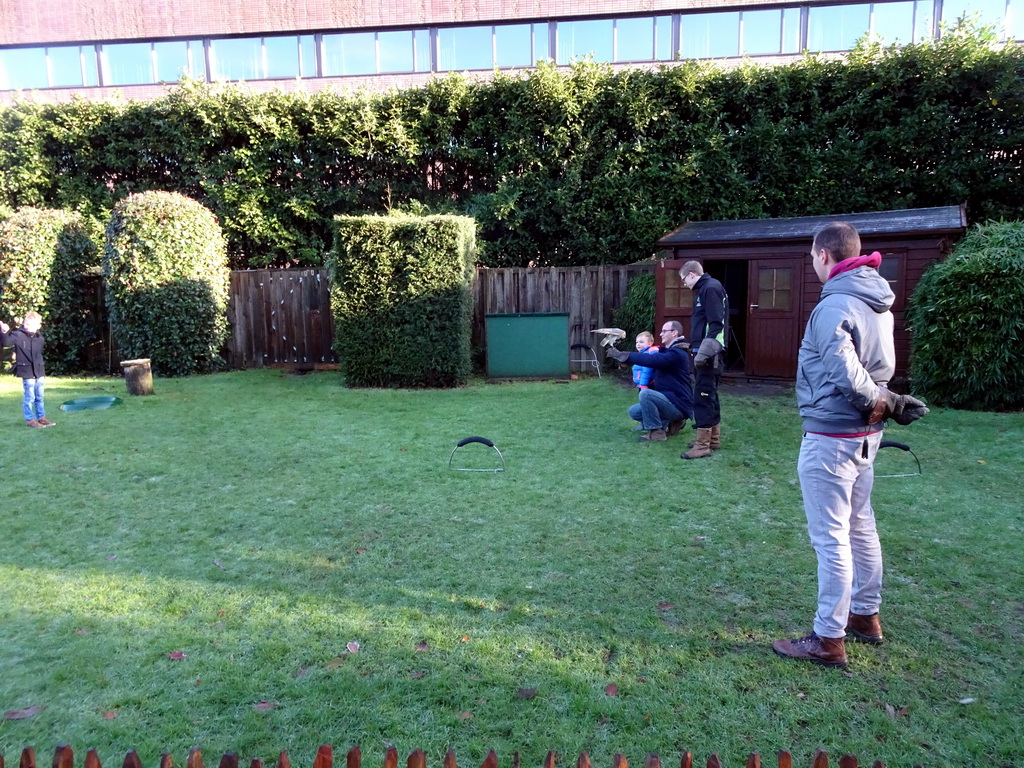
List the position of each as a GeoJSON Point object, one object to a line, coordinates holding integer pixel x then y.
{"type": "Point", "coordinates": [874, 260]}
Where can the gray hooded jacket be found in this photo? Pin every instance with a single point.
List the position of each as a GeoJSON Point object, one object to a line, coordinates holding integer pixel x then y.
{"type": "Point", "coordinates": [846, 354]}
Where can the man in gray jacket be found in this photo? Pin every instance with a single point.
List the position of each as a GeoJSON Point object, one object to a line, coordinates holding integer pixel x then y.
{"type": "Point", "coordinates": [846, 360]}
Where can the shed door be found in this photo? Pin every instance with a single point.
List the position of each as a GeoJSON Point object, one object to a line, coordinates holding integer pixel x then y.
{"type": "Point", "coordinates": [773, 317]}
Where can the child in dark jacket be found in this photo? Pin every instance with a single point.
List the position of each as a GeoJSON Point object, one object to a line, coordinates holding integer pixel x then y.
{"type": "Point", "coordinates": [28, 365]}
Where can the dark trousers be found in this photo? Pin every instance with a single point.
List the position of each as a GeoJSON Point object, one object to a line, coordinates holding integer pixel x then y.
{"type": "Point", "coordinates": [706, 412]}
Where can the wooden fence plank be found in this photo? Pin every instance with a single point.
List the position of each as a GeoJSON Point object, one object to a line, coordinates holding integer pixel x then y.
{"type": "Point", "coordinates": [63, 757]}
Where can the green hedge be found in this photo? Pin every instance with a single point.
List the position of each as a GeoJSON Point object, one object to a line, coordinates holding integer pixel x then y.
{"type": "Point", "coordinates": [966, 319]}
{"type": "Point", "coordinates": [44, 258]}
{"type": "Point", "coordinates": [167, 282]}
{"type": "Point", "coordinates": [637, 311]}
{"type": "Point", "coordinates": [558, 166]}
{"type": "Point", "coordinates": [401, 299]}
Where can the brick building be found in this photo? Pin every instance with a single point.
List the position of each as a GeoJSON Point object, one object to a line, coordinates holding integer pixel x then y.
{"type": "Point", "coordinates": [64, 47]}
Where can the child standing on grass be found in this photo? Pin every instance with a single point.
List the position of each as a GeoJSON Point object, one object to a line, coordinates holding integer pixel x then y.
{"type": "Point", "coordinates": [28, 365]}
{"type": "Point", "coordinates": [641, 374]}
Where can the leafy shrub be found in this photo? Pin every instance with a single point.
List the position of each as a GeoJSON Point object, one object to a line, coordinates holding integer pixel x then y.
{"type": "Point", "coordinates": [167, 282]}
{"type": "Point", "coordinates": [966, 318]}
{"type": "Point", "coordinates": [44, 258]}
{"type": "Point", "coordinates": [637, 311]}
{"type": "Point", "coordinates": [401, 299]}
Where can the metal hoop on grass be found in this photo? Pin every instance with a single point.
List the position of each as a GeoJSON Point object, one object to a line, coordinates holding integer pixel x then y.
{"type": "Point", "coordinates": [902, 447]}
{"type": "Point", "coordinates": [484, 441]}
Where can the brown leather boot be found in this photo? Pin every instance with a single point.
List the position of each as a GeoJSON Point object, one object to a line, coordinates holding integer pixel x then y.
{"type": "Point", "coordinates": [826, 651]}
{"type": "Point", "coordinates": [716, 437]}
{"type": "Point", "coordinates": [654, 436]}
{"type": "Point", "coordinates": [675, 426]}
{"type": "Point", "coordinates": [867, 629]}
{"type": "Point", "coordinates": [701, 446]}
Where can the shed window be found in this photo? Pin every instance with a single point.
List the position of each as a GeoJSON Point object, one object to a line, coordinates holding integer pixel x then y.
{"type": "Point", "coordinates": [775, 288]}
{"type": "Point", "coordinates": [891, 269]}
{"type": "Point", "coordinates": [677, 295]}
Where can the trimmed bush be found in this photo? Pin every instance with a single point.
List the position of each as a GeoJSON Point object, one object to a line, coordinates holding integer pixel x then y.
{"type": "Point", "coordinates": [44, 258]}
{"type": "Point", "coordinates": [401, 299]}
{"type": "Point", "coordinates": [167, 282]}
{"type": "Point", "coordinates": [966, 319]}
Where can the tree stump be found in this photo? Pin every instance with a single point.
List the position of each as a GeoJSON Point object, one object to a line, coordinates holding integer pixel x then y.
{"type": "Point", "coordinates": [138, 377]}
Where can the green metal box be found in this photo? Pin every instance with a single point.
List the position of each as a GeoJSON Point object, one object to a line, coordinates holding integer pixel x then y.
{"type": "Point", "coordinates": [528, 345]}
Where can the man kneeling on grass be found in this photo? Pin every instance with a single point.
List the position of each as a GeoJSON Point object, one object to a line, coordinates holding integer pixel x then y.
{"type": "Point", "coordinates": [667, 402]}
{"type": "Point", "coordinates": [846, 359]}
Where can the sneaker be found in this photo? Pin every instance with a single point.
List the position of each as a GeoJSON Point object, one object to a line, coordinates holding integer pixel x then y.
{"type": "Point", "coordinates": [654, 436]}
{"type": "Point", "coordinates": [34, 423]}
{"type": "Point", "coordinates": [826, 651]}
{"type": "Point", "coordinates": [867, 629]}
{"type": "Point", "coordinates": [47, 423]}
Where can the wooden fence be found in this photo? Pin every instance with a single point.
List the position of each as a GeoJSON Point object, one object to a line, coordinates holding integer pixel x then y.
{"type": "Point", "coordinates": [589, 294]}
{"type": "Point", "coordinates": [281, 318]}
{"type": "Point", "coordinates": [64, 758]}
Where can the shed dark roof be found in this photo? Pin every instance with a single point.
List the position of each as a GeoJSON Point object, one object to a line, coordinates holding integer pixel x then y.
{"type": "Point", "coordinates": [933, 221]}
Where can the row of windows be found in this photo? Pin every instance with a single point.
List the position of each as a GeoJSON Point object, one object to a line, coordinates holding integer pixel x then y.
{"type": "Point", "coordinates": [441, 49]}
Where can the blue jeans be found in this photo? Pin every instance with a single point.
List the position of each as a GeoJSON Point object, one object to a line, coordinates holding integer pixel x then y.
{"type": "Point", "coordinates": [654, 411]}
{"type": "Point", "coordinates": [32, 405]}
{"type": "Point", "coordinates": [836, 480]}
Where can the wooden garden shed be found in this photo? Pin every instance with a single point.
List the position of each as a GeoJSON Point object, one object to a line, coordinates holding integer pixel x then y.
{"type": "Point", "coordinates": [766, 269]}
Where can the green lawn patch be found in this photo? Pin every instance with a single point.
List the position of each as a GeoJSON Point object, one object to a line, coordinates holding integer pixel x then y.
{"type": "Point", "coordinates": [255, 561]}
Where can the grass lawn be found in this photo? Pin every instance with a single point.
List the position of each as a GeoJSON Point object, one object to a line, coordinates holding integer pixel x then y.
{"type": "Point", "coordinates": [325, 578]}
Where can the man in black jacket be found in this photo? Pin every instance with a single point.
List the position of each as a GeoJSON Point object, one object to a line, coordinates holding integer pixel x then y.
{"type": "Point", "coordinates": [667, 402]}
{"type": "Point", "coordinates": [707, 339]}
{"type": "Point", "coordinates": [28, 365]}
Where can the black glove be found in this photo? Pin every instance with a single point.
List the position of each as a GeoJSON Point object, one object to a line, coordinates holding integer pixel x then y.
{"type": "Point", "coordinates": [706, 353]}
{"type": "Point", "coordinates": [617, 354]}
{"type": "Point", "coordinates": [903, 409]}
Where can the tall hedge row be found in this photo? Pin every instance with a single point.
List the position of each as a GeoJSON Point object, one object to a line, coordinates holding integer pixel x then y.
{"type": "Point", "coordinates": [401, 299]}
{"type": "Point", "coordinates": [44, 257]}
{"type": "Point", "coordinates": [558, 167]}
{"type": "Point", "coordinates": [966, 320]}
{"type": "Point", "coordinates": [167, 277]}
